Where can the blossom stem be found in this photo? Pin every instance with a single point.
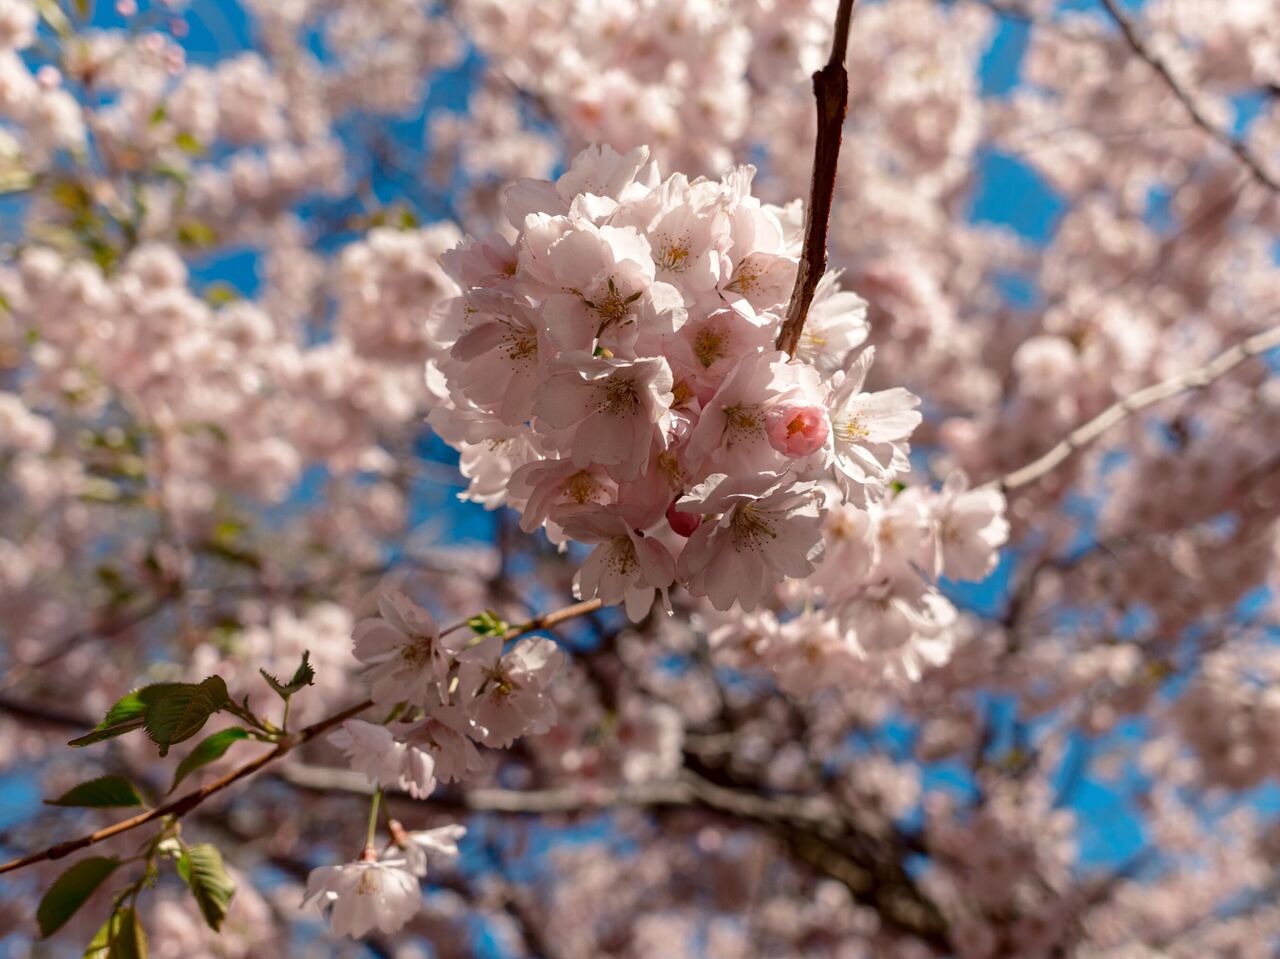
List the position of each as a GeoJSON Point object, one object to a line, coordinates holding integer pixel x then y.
{"type": "Point", "coordinates": [371, 835]}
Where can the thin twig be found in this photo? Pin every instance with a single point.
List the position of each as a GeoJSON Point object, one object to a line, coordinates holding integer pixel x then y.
{"type": "Point", "coordinates": [1139, 47]}
{"type": "Point", "coordinates": [1194, 379]}
{"type": "Point", "coordinates": [831, 93]}
{"type": "Point", "coordinates": [185, 804]}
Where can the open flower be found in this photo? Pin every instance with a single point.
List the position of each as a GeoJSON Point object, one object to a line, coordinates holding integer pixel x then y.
{"type": "Point", "coordinates": [758, 540]}
{"type": "Point", "coordinates": [499, 361]}
{"type": "Point", "coordinates": [504, 694]}
{"type": "Point", "coordinates": [443, 737]}
{"type": "Point", "coordinates": [373, 750]}
{"type": "Point", "coordinates": [739, 432]}
{"type": "Point", "coordinates": [617, 410]}
{"type": "Point", "coordinates": [422, 845]}
{"type": "Point", "coordinates": [626, 566]}
{"type": "Point", "coordinates": [869, 431]}
{"type": "Point", "coordinates": [554, 490]}
{"type": "Point", "coordinates": [363, 896]}
{"type": "Point", "coordinates": [401, 650]}
{"type": "Point", "coordinates": [971, 528]}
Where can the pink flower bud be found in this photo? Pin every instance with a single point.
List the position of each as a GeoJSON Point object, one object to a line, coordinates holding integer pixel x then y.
{"type": "Point", "coordinates": [797, 430]}
{"type": "Point", "coordinates": [49, 77]}
{"type": "Point", "coordinates": [126, 8]}
{"type": "Point", "coordinates": [682, 524]}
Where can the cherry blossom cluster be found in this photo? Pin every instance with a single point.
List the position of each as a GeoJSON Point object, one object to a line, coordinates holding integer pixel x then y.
{"type": "Point", "coordinates": [1001, 861]}
{"type": "Point", "coordinates": [1228, 717]}
{"type": "Point", "coordinates": [46, 117]}
{"type": "Point", "coordinates": [879, 575]}
{"type": "Point", "coordinates": [643, 74]}
{"type": "Point", "coordinates": [611, 374]}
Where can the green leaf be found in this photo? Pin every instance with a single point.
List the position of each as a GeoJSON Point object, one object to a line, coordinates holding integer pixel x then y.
{"type": "Point", "coordinates": [236, 556]}
{"type": "Point", "coordinates": [100, 793]}
{"type": "Point", "coordinates": [227, 532]}
{"type": "Point", "coordinates": [183, 711]}
{"type": "Point", "coordinates": [70, 890]}
{"type": "Point", "coordinates": [487, 623]}
{"type": "Point", "coordinates": [100, 491]}
{"type": "Point", "coordinates": [84, 8]}
{"type": "Point", "coordinates": [185, 142]}
{"type": "Point", "coordinates": [304, 675]}
{"type": "Point", "coordinates": [202, 868]}
{"type": "Point", "coordinates": [121, 937]}
{"type": "Point", "coordinates": [126, 715]}
{"type": "Point", "coordinates": [72, 195]}
{"type": "Point", "coordinates": [171, 172]}
{"type": "Point", "coordinates": [53, 15]}
{"type": "Point", "coordinates": [196, 233]}
{"type": "Point", "coordinates": [210, 749]}
{"type": "Point", "coordinates": [15, 181]}
{"type": "Point", "coordinates": [213, 429]}
{"type": "Point", "coordinates": [221, 293]}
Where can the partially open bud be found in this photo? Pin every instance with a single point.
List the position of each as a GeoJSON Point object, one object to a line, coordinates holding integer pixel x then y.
{"type": "Point", "coordinates": [683, 524]}
{"type": "Point", "coordinates": [797, 430]}
{"type": "Point", "coordinates": [398, 834]}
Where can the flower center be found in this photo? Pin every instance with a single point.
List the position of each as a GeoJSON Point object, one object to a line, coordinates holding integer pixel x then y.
{"type": "Point", "coordinates": [750, 529]}
{"type": "Point", "coordinates": [741, 421]}
{"type": "Point", "coordinates": [620, 397]}
{"type": "Point", "coordinates": [622, 556]}
{"type": "Point", "coordinates": [581, 487]}
{"type": "Point", "coordinates": [673, 255]}
{"type": "Point", "coordinates": [708, 346]}
{"type": "Point", "coordinates": [851, 429]}
{"type": "Point", "coordinates": [417, 652]}
{"type": "Point", "coordinates": [744, 279]}
{"type": "Point", "coordinates": [521, 347]}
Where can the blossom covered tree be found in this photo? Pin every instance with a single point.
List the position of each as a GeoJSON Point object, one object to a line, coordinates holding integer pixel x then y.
{"type": "Point", "coordinates": [517, 479]}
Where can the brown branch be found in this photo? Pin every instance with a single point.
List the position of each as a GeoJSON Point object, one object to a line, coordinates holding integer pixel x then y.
{"type": "Point", "coordinates": [1195, 379]}
{"type": "Point", "coordinates": [831, 94]}
{"type": "Point", "coordinates": [41, 714]}
{"type": "Point", "coordinates": [105, 629]}
{"type": "Point", "coordinates": [814, 828]}
{"type": "Point", "coordinates": [1139, 47]}
{"type": "Point", "coordinates": [185, 804]}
